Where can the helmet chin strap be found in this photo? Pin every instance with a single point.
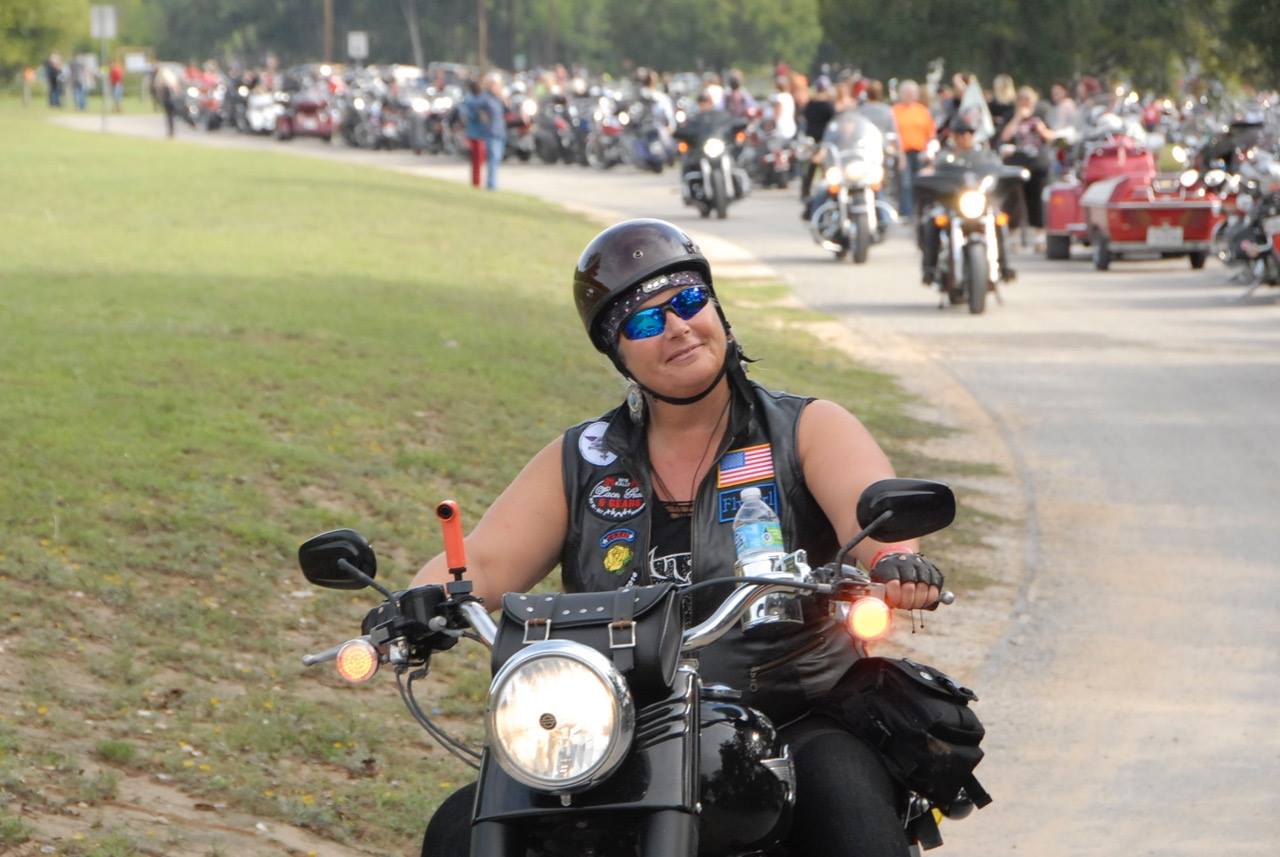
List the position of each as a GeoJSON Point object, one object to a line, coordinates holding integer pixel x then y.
{"type": "Point", "coordinates": [730, 355]}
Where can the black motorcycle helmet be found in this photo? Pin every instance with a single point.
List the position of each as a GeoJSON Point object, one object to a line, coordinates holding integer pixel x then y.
{"type": "Point", "coordinates": [624, 256]}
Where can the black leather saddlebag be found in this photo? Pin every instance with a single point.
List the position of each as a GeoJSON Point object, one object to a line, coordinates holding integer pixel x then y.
{"type": "Point", "coordinates": [638, 628]}
{"type": "Point", "coordinates": [920, 720]}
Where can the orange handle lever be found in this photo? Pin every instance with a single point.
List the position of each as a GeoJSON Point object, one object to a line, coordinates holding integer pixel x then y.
{"type": "Point", "coordinates": [455, 552]}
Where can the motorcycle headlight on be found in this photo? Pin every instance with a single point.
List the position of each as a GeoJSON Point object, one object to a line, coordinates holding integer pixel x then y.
{"type": "Point", "coordinates": [856, 171]}
{"type": "Point", "coordinates": [972, 204]}
{"type": "Point", "coordinates": [834, 176]}
{"type": "Point", "coordinates": [713, 148]}
{"type": "Point", "coordinates": [528, 108]}
{"type": "Point", "coordinates": [560, 717]}
{"type": "Point", "coordinates": [1215, 178]}
{"type": "Point", "coordinates": [1188, 178]}
{"type": "Point", "coordinates": [419, 105]}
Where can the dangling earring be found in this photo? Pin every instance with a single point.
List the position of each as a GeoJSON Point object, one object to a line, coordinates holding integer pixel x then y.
{"type": "Point", "coordinates": [635, 403]}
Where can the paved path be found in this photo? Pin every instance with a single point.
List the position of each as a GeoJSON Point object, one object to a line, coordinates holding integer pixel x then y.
{"type": "Point", "coordinates": [1131, 699]}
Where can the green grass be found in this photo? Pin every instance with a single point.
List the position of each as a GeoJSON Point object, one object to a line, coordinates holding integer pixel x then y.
{"type": "Point", "coordinates": [206, 357]}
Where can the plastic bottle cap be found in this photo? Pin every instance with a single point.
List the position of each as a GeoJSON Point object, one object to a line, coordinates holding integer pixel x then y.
{"type": "Point", "coordinates": [749, 494]}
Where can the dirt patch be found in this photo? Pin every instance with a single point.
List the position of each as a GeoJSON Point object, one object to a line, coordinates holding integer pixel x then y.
{"type": "Point", "coordinates": [160, 819]}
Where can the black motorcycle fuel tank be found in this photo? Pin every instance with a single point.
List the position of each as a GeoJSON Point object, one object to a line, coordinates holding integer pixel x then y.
{"type": "Point", "coordinates": [746, 780]}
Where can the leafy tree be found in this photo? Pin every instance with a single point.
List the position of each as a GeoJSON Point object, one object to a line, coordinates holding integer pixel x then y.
{"type": "Point", "coordinates": [31, 29]}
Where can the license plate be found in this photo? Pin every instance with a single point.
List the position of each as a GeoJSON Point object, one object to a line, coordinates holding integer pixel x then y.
{"type": "Point", "coordinates": [1164, 236]}
{"type": "Point", "coordinates": [310, 124]}
{"type": "Point", "coordinates": [1272, 225]}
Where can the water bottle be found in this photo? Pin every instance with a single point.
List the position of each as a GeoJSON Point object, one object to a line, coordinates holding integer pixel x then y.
{"type": "Point", "coordinates": [757, 536]}
{"type": "Point", "coordinates": [757, 533]}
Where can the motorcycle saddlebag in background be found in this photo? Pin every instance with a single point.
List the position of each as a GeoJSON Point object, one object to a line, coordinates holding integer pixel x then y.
{"type": "Point", "coordinates": [638, 628]}
{"type": "Point", "coordinates": [920, 720]}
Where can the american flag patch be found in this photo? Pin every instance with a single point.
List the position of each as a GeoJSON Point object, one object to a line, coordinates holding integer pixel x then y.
{"type": "Point", "coordinates": [750, 464]}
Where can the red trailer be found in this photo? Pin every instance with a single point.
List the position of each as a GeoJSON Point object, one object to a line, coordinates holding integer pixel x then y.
{"type": "Point", "coordinates": [1143, 215]}
{"type": "Point", "coordinates": [1065, 221]}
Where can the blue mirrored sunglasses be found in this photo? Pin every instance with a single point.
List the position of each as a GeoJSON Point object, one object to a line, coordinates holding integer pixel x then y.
{"type": "Point", "coordinates": [686, 303]}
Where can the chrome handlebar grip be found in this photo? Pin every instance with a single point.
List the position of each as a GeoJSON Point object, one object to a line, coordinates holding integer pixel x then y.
{"type": "Point", "coordinates": [480, 622]}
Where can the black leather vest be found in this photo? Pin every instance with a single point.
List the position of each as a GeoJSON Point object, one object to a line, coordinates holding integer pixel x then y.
{"type": "Point", "coordinates": [609, 491]}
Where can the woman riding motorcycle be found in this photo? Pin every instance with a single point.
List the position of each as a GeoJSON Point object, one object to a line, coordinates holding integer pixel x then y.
{"type": "Point", "coordinates": [647, 493]}
{"type": "Point", "coordinates": [964, 151]}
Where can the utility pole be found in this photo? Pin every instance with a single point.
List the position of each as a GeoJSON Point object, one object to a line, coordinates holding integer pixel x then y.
{"type": "Point", "coordinates": [482, 27]}
{"type": "Point", "coordinates": [328, 31]}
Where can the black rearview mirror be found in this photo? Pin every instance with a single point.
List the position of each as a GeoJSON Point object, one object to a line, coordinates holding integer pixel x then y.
{"type": "Point", "coordinates": [319, 558]}
{"type": "Point", "coordinates": [914, 507]}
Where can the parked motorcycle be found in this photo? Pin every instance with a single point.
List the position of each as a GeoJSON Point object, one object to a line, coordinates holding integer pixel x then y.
{"type": "Point", "coordinates": [606, 144]}
{"type": "Point", "coordinates": [964, 216]}
{"type": "Point", "coordinates": [601, 737]}
{"type": "Point", "coordinates": [644, 142]}
{"type": "Point", "coordinates": [846, 217]}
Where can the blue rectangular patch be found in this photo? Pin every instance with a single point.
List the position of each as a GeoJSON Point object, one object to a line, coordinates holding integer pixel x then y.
{"type": "Point", "coordinates": [731, 498]}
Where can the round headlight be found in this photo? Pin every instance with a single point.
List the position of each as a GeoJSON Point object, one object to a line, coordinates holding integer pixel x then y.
{"type": "Point", "coordinates": [1179, 154]}
{"type": "Point", "coordinates": [1215, 177]}
{"type": "Point", "coordinates": [855, 171]}
{"type": "Point", "coordinates": [713, 148]}
{"type": "Point", "coordinates": [560, 717]}
{"type": "Point", "coordinates": [834, 176]}
{"type": "Point", "coordinates": [1188, 178]}
{"type": "Point", "coordinates": [972, 203]}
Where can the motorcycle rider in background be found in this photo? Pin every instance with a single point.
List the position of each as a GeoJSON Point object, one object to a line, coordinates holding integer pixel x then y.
{"type": "Point", "coordinates": [817, 114]}
{"type": "Point", "coordinates": [963, 150]}
{"type": "Point", "coordinates": [709, 121]}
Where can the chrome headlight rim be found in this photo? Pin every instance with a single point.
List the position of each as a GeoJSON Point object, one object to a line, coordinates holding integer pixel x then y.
{"type": "Point", "coordinates": [713, 148]}
{"type": "Point", "coordinates": [625, 716]}
{"type": "Point", "coordinates": [972, 204]}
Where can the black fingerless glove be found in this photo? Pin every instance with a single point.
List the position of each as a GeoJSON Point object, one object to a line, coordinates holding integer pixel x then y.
{"type": "Point", "coordinates": [907, 568]}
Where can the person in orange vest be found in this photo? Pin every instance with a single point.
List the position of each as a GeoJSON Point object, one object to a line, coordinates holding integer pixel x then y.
{"type": "Point", "coordinates": [915, 130]}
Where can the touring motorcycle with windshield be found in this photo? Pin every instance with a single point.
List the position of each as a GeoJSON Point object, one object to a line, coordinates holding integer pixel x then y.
{"type": "Point", "coordinates": [846, 215]}
{"type": "Point", "coordinates": [601, 737]}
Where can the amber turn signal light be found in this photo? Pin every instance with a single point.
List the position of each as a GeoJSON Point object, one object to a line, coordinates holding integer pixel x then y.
{"type": "Point", "coordinates": [869, 618]}
{"type": "Point", "coordinates": [940, 220]}
{"type": "Point", "coordinates": [1002, 219]}
{"type": "Point", "coordinates": [357, 661]}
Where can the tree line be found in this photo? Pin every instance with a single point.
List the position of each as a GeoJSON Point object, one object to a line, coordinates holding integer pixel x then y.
{"type": "Point", "coordinates": [1152, 44]}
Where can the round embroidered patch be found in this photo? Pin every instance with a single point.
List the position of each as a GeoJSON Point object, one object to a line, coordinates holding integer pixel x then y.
{"type": "Point", "coordinates": [591, 445]}
{"type": "Point", "coordinates": [616, 498]}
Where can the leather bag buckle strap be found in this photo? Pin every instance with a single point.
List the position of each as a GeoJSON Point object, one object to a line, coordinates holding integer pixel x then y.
{"type": "Point", "coordinates": [622, 630]}
{"type": "Point", "coordinates": [530, 632]}
{"type": "Point", "coordinates": [628, 642]}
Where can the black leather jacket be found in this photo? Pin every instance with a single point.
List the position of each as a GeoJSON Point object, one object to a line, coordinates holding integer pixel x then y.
{"type": "Point", "coordinates": [607, 484]}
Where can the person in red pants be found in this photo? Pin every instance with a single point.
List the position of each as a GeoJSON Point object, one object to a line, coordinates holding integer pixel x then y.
{"type": "Point", "coordinates": [475, 110]}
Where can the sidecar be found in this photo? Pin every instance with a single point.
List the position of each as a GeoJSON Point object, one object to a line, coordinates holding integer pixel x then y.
{"type": "Point", "coordinates": [1065, 220]}
{"type": "Point", "coordinates": [1165, 215]}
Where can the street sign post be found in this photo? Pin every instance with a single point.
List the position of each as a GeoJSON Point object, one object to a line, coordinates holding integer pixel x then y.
{"type": "Point", "coordinates": [358, 45]}
{"type": "Point", "coordinates": [102, 26]}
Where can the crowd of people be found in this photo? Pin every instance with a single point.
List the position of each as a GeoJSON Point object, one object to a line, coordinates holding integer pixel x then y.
{"type": "Point", "coordinates": [80, 76]}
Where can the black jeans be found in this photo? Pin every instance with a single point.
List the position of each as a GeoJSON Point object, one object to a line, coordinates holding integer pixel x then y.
{"type": "Point", "coordinates": [846, 804]}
